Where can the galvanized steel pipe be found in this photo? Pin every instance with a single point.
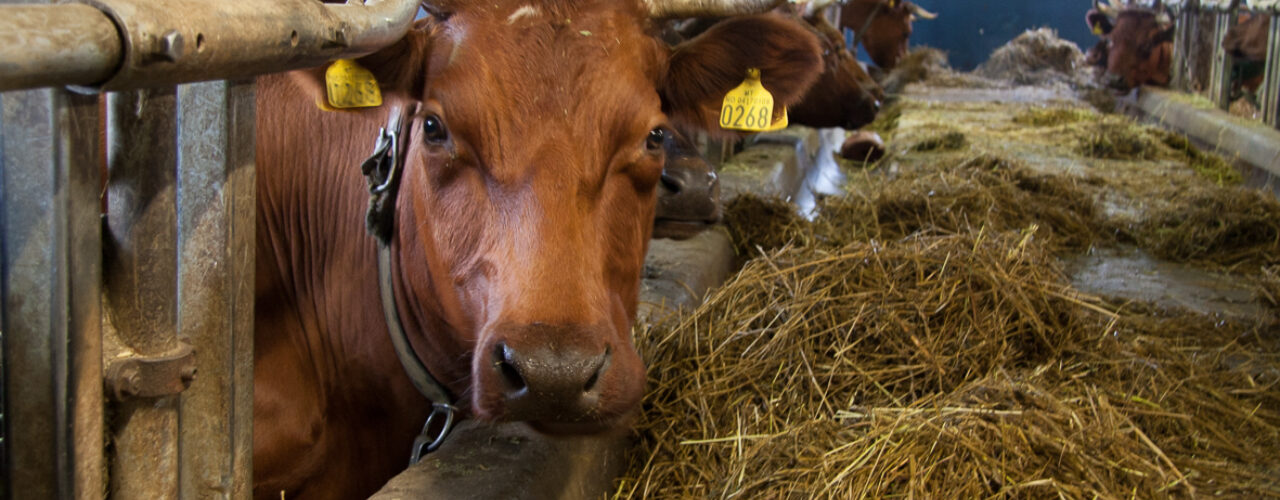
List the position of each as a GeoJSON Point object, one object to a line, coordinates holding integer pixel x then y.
{"type": "Point", "coordinates": [179, 41]}
{"type": "Point", "coordinates": [43, 45]}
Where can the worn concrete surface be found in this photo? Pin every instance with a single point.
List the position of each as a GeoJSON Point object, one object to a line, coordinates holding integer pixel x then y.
{"type": "Point", "coordinates": [512, 461]}
{"type": "Point", "coordinates": [985, 116]}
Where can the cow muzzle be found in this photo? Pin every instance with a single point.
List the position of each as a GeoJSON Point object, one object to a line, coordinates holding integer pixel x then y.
{"type": "Point", "coordinates": [688, 202]}
{"type": "Point", "coordinates": [562, 379]}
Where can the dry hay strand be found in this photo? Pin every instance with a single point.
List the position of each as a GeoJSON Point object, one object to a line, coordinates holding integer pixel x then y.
{"type": "Point", "coordinates": [920, 64]}
{"type": "Point", "coordinates": [1268, 286]}
{"type": "Point", "coordinates": [946, 141]}
{"type": "Point", "coordinates": [1231, 226]}
{"type": "Point", "coordinates": [954, 366]}
{"type": "Point", "coordinates": [1208, 165]}
{"type": "Point", "coordinates": [886, 121]}
{"type": "Point", "coordinates": [972, 193]}
{"type": "Point", "coordinates": [759, 224]}
{"type": "Point", "coordinates": [1117, 140]}
{"type": "Point", "coordinates": [1036, 57]}
{"type": "Point", "coordinates": [1053, 116]}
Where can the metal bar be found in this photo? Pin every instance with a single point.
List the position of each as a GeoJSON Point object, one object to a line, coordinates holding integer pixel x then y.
{"type": "Point", "coordinates": [1181, 49]}
{"type": "Point", "coordinates": [141, 283]}
{"type": "Point", "coordinates": [1220, 78]}
{"type": "Point", "coordinates": [58, 43]}
{"type": "Point", "coordinates": [1270, 91]}
{"type": "Point", "coordinates": [177, 41]}
{"type": "Point", "coordinates": [216, 218]}
{"type": "Point", "coordinates": [50, 270]}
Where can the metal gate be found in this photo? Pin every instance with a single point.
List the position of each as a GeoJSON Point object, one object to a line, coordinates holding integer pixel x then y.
{"type": "Point", "coordinates": [127, 234]}
{"type": "Point", "coordinates": [1224, 13]}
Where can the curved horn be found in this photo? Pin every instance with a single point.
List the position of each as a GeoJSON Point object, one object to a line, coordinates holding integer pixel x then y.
{"type": "Point", "coordinates": [707, 8]}
{"type": "Point", "coordinates": [920, 12]}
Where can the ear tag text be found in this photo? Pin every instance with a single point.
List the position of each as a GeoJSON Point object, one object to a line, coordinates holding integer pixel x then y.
{"type": "Point", "coordinates": [349, 85]}
{"type": "Point", "coordinates": [749, 107]}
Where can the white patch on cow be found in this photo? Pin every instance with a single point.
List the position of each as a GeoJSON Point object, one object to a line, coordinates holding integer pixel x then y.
{"type": "Point", "coordinates": [521, 13]}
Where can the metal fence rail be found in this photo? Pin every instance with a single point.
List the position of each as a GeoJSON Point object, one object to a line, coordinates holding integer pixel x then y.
{"type": "Point", "coordinates": [127, 234]}
{"type": "Point", "coordinates": [1225, 14]}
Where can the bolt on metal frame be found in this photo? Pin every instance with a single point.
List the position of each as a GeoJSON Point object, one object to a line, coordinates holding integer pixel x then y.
{"type": "Point", "coordinates": [144, 298]}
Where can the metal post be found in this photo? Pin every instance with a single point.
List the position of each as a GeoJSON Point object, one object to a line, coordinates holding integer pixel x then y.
{"type": "Point", "coordinates": [141, 286]}
{"type": "Point", "coordinates": [1182, 49]}
{"type": "Point", "coordinates": [216, 218]}
{"type": "Point", "coordinates": [1220, 79]}
{"type": "Point", "coordinates": [1271, 83]}
{"type": "Point", "coordinates": [50, 271]}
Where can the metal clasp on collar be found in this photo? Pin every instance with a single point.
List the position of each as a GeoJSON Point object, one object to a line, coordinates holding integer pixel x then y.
{"type": "Point", "coordinates": [426, 442]}
{"type": "Point", "coordinates": [381, 166]}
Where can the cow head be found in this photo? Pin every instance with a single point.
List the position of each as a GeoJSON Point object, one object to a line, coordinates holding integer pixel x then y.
{"type": "Point", "coordinates": [527, 201]}
{"type": "Point", "coordinates": [883, 27]}
{"type": "Point", "coordinates": [1138, 44]}
{"type": "Point", "coordinates": [844, 95]}
{"type": "Point", "coordinates": [688, 192]}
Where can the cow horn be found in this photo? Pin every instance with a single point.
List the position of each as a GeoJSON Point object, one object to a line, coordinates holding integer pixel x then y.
{"type": "Point", "coordinates": [708, 8]}
{"type": "Point", "coordinates": [920, 12]}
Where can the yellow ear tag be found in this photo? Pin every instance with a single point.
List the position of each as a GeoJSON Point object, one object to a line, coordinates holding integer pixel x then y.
{"type": "Point", "coordinates": [348, 85]}
{"type": "Point", "coordinates": [780, 123]}
{"type": "Point", "coordinates": [1097, 29]}
{"type": "Point", "coordinates": [748, 107]}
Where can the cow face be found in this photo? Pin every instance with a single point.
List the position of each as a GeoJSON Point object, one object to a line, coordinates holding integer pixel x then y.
{"type": "Point", "coordinates": [884, 26]}
{"type": "Point", "coordinates": [688, 193]}
{"type": "Point", "coordinates": [844, 95]}
{"type": "Point", "coordinates": [1138, 46]}
{"type": "Point", "coordinates": [1248, 39]}
{"type": "Point", "coordinates": [528, 198]}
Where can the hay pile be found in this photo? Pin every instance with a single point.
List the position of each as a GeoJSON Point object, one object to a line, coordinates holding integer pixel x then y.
{"type": "Point", "coordinates": [1037, 57]}
{"type": "Point", "coordinates": [956, 366]}
{"type": "Point", "coordinates": [919, 339]}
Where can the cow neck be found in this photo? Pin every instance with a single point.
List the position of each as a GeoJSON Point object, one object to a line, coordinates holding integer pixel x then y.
{"type": "Point", "coordinates": [382, 171]}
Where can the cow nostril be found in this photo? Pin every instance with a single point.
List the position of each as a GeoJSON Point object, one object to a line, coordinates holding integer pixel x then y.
{"type": "Point", "coordinates": [671, 183]}
{"type": "Point", "coordinates": [503, 360]}
{"type": "Point", "coordinates": [599, 369]}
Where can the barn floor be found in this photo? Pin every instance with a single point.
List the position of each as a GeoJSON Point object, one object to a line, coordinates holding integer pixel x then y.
{"type": "Point", "coordinates": [1025, 299]}
{"type": "Point", "coordinates": [1041, 128]}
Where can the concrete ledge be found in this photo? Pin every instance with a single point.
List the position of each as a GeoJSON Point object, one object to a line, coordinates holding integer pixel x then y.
{"type": "Point", "coordinates": [679, 274]}
{"type": "Point", "coordinates": [511, 461]}
{"type": "Point", "coordinates": [1250, 141]}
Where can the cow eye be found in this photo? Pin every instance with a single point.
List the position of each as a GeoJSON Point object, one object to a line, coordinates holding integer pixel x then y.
{"type": "Point", "coordinates": [433, 129]}
{"type": "Point", "coordinates": [654, 141]}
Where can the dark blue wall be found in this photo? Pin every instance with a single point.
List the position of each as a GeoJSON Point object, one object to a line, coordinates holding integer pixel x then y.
{"type": "Point", "coordinates": [969, 30]}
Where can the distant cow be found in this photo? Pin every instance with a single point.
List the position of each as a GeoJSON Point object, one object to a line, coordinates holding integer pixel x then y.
{"type": "Point", "coordinates": [532, 148]}
{"type": "Point", "coordinates": [844, 95]}
{"type": "Point", "coordinates": [1247, 43]}
{"type": "Point", "coordinates": [882, 27]}
{"type": "Point", "coordinates": [688, 192]}
{"type": "Point", "coordinates": [1136, 46]}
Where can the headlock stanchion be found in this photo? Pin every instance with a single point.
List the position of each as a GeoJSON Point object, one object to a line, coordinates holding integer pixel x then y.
{"type": "Point", "coordinates": [136, 328]}
{"type": "Point", "coordinates": [1226, 14]}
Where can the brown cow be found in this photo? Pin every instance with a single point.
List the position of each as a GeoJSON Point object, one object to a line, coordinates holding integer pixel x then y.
{"type": "Point", "coordinates": [533, 149]}
{"type": "Point", "coordinates": [882, 27]}
{"type": "Point", "coordinates": [1138, 44]}
{"type": "Point", "coordinates": [688, 192]}
{"type": "Point", "coordinates": [844, 95]}
{"type": "Point", "coordinates": [1247, 43]}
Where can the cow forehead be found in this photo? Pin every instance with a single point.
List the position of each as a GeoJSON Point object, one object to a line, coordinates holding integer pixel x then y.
{"type": "Point", "coordinates": [516, 73]}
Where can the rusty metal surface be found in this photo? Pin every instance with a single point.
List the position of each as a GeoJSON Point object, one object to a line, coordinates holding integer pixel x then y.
{"type": "Point", "coordinates": [140, 255]}
{"type": "Point", "coordinates": [168, 374]}
{"type": "Point", "coordinates": [1220, 77]}
{"type": "Point", "coordinates": [216, 219]}
{"type": "Point", "coordinates": [176, 41]}
{"type": "Point", "coordinates": [50, 269]}
{"type": "Point", "coordinates": [1270, 91]}
{"type": "Point", "coordinates": [52, 44]}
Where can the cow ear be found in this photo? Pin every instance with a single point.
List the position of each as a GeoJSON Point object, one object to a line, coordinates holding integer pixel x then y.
{"type": "Point", "coordinates": [1098, 22]}
{"type": "Point", "coordinates": [400, 68]}
{"type": "Point", "coordinates": [702, 70]}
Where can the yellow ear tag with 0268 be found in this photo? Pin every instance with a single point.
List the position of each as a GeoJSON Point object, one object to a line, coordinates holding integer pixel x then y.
{"type": "Point", "coordinates": [1097, 29]}
{"type": "Point", "coordinates": [749, 107]}
{"type": "Point", "coordinates": [349, 85]}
